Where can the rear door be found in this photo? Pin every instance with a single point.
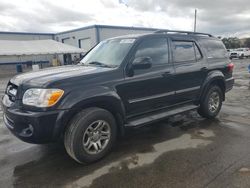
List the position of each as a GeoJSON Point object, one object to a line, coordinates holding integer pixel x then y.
{"type": "Point", "coordinates": [190, 69]}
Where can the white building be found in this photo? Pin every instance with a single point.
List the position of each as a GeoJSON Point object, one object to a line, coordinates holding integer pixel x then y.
{"type": "Point", "coordinates": [85, 37]}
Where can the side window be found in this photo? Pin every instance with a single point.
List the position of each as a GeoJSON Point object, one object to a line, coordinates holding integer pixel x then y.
{"type": "Point", "coordinates": [155, 48]}
{"type": "Point", "coordinates": [184, 51]}
{"type": "Point", "coordinates": [214, 48]}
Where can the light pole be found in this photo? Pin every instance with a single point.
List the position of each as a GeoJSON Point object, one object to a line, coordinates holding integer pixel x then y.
{"type": "Point", "coordinates": [195, 17]}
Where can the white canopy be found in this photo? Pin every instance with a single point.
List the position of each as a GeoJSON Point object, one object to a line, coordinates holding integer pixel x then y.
{"type": "Point", "coordinates": [36, 47]}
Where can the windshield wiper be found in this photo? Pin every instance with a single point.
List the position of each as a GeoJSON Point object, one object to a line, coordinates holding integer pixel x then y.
{"type": "Point", "coordinates": [99, 64]}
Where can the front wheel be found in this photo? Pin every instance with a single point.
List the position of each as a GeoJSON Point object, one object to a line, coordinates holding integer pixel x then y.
{"type": "Point", "coordinates": [211, 103]}
{"type": "Point", "coordinates": [90, 135]}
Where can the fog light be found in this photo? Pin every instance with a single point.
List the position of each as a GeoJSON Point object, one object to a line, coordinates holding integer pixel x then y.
{"type": "Point", "coordinates": [27, 132]}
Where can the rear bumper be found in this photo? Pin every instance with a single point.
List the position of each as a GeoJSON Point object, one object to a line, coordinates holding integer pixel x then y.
{"type": "Point", "coordinates": [33, 127]}
{"type": "Point", "coordinates": [229, 84]}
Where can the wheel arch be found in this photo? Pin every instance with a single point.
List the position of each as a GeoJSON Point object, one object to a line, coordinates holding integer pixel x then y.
{"type": "Point", "coordinates": [213, 78]}
{"type": "Point", "coordinates": [113, 104]}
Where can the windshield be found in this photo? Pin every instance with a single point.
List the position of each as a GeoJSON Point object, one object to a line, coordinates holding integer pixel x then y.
{"type": "Point", "coordinates": [109, 53]}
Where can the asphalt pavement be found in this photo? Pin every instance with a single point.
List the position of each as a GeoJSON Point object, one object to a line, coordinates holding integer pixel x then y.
{"type": "Point", "coordinates": [183, 151]}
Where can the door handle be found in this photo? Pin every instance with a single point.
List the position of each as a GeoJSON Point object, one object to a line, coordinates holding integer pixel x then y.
{"type": "Point", "coordinates": [166, 74]}
{"type": "Point", "coordinates": [204, 69]}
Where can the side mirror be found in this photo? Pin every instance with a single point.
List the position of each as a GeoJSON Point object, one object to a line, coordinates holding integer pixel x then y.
{"type": "Point", "coordinates": [142, 63]}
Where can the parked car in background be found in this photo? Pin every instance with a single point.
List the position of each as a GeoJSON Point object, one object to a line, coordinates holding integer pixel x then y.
{"type": "Point", "coordinates": [239, 53]}
{"type": "Point", "coordinates": [124, 82]}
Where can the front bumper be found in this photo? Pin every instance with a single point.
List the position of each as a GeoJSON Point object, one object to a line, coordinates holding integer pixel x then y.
{"type": "Point", "coordinates": [33, 127]}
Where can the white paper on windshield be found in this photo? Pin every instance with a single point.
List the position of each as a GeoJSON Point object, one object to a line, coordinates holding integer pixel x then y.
{"type": "Point", "coordinates": [127, 41]}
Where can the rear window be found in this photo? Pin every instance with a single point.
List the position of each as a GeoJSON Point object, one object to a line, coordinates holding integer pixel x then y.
{"type": "Point", "coordinates": [214, 48]}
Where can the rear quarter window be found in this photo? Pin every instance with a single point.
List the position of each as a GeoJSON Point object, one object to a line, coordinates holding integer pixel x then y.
{"type": "Point", "coordinates": [214, 48]}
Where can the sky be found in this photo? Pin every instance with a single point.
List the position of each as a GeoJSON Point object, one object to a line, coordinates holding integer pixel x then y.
{"type": "Point", "coordinates": [221, 18]}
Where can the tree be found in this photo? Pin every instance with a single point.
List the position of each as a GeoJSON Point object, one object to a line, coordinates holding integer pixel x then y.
{"type": "Point", "coordinates": [247, 43]}
{"type": "Point", "coordinates": [231, 42]}
{"type": "Point", "coordinates": [226, 42]}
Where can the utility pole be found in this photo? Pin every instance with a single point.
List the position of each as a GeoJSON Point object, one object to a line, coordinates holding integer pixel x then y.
{"type": "Point", "coordinates": [195, 17]}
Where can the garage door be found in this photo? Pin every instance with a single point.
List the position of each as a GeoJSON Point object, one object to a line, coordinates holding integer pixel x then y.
{"type": "Point", "coordinates": [85, 43]}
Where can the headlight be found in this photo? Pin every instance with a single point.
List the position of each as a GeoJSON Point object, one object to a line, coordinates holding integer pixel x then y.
{"type": "Point", "coordinates": [42, 97]}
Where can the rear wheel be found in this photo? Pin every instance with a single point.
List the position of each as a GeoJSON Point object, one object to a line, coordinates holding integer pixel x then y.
{"type": "Point", "coordinates": [90, 135]}
{"type": "Point", "coordinates": [211, 103]}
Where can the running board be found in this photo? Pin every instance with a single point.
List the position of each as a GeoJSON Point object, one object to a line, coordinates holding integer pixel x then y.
{"type": "Point", "coordinates": [143, 120]}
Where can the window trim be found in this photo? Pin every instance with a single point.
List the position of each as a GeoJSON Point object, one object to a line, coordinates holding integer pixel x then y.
{"type": "Point", "coordinates": [197, 60]}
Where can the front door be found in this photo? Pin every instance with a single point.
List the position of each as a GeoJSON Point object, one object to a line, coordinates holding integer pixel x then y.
{"type": "Point", "coordinates": [149, 89]}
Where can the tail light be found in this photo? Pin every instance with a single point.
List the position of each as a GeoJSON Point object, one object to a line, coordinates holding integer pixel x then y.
{"type": "Point", "coordinates": [230, 67]}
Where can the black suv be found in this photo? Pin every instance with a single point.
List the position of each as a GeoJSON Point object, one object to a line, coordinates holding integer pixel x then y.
{"type": "Point", "coordinates": [122, 82]}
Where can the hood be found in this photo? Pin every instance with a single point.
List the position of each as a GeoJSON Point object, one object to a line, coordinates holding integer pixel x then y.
{"type": "Point", "coordinates": [45, 76]}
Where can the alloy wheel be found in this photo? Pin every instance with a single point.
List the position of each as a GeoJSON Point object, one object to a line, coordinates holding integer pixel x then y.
{"type": "Point", "coordinates": [214, 102]}
{"type": "Point", "coordinates": [96, 137]}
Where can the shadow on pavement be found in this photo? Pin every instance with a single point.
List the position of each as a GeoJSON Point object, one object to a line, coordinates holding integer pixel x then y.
{"type": "Point", "coordinates": [56, 163]}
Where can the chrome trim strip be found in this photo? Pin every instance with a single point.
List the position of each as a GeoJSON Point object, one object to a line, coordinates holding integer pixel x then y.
{"type": "Point", "coordinates": [131, 101]}
{"type": "Point", "coordinates": [151, 97]}
{"type": "Point", "coordinates": [229, 79]}
{"type": "Point", "coordinates": [188, 89]}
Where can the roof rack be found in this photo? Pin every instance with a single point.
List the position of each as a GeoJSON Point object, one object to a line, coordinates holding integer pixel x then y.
{"type": "Point", "coordinates": [184, 32]}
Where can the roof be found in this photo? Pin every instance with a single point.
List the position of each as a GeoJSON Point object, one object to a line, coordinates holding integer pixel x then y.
{"type": "Point", "coordinates": [36, 47]}
{"type": "Point", "coordinates": [169, 33]}
{"type": "Point", "coordinates": [130, 36]}
{"type": "Point", "coordinates": [82, 28]}
{"type": "Point", "coordinates": [164, 31]}
{"type": "Point", "coordinates": [109, 27]}
{"type": "Point", "coordinates": [26, 33]}
{"type": "Point", "coordinates": [96, 27]}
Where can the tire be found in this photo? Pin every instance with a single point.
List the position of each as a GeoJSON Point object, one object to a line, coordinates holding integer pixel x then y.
{"type": "Point", "coordinates": [206, 110]}
{"type": "Point", "coordinates": [242, 56]}
{"type": "Point", "coordinates": [80, 134]}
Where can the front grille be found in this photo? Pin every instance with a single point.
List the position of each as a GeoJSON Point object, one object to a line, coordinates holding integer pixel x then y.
{"type": "Point", "coordinates": [11, 91]}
